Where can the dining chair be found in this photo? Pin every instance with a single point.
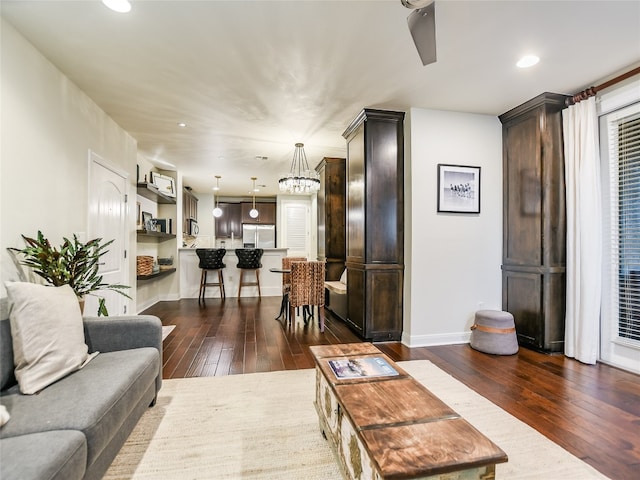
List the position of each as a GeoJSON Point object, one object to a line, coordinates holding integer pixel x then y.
{"type": "Point", "coordinates": [211, 260]}
{"type": "Point", "coordinates": [286, 276]}
{"type": "Point", "coordinates": [286, 279]}
{"type": "Point", "coordinates": [307, 288]}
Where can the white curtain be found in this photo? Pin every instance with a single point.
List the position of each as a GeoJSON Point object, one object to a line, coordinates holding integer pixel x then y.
{"type": "Point", "coordinates": [584, 237]}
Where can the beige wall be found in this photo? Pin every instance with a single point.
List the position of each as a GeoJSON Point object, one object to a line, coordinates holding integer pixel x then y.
{"type": "Point", "coordinates": [48, 126]}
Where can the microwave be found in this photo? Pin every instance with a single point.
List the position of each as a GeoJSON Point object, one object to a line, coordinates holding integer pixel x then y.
{"type": "Point", "coordinates": [192, 227]}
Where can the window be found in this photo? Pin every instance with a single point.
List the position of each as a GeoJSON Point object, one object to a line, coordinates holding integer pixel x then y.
{"type": "Point", "coordinates": [623, 135]}
{"type": "Point", "coordinates": [628, 135]}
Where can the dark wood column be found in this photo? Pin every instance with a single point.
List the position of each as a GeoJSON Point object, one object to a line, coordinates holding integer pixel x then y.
{"type": "Point", "coordinates": [534, 221]}
{"type": "Point", "coordinates": [375, 223]}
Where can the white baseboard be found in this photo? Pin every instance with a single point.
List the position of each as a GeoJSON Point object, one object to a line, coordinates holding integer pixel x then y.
{"type": "Point", "coordinates": [169, 298]}
{"type": "Point", "coordinates": [149, 303]}
{"type": "Point", "coordinates": [268, 292]}
{"type": "Point", "coordinates": [435, 339]}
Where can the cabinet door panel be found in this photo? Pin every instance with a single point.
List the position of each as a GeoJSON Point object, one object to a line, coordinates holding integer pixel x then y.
{"type": "Point", "coordinates": [384, 197]}
{"type": "Point", "coordinates": [523, 195]}
{"type": "Point", "coordinates": [266, 213]}
{"type": "Point", "coordinates": [222, 222]}
{"type": "Point", "coordinates": [235, 220]}
{"type": "Point", "coordinates": [229, 222]}
{"type": "Point", "coordinates": [522, 298]}
{"type": "Point", "coordinates": [355, 201]}
{"type": "Point", "coordinates": [384, 304]}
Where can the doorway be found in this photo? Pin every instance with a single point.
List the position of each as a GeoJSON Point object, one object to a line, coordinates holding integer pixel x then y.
{"type": "Point", "coordinates": [107, 220]}
{"type": "Point", "coordinates": [295, 227]}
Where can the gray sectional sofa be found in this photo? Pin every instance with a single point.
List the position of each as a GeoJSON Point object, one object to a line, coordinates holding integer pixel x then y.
{"type": "Point", "coordinates": [74, 428]}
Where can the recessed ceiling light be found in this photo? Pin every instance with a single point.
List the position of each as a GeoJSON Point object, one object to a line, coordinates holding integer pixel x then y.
{"type": "Point", "coordinates": [182, 124]}
{"type": "Point", "coordinates": [120, 6]}
{"type": "Point", "coordinates": [528, 61]}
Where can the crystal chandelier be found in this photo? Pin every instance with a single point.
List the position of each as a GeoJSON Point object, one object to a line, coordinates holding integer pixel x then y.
{"type": "Point", "coordinates": [300, 179]}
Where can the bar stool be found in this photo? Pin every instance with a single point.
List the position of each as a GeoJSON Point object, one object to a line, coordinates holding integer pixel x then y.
{"type": "Point", "coordinates": [249, 259]}
{"type": "Point", "coordinates": [210, 260]}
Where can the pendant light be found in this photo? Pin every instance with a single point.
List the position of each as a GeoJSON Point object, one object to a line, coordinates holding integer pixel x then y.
{"type": "Point", "coordinates": [253, 213]}
{"type": "Point", "coordinates": [217, 212]}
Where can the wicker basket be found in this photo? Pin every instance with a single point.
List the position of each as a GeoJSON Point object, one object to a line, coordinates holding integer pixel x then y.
{"type": "Point", "coordinates": [144, 265]}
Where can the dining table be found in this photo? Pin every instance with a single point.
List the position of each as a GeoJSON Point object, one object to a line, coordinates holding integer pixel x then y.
{"type": "Point", "coordinates": [306, 312]}
{"type": "Point", "coordinates": [284, 301]}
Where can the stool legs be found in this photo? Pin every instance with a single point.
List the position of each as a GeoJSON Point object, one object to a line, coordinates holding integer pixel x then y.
{"type": "Point", "coordinates": [204, 284]}
{"type": "Point", "coordinates": [221, 284]}
{"type": "Point", "coordinates": [203, 281]}
{"type": "Point", "coordinates": [246, 284]}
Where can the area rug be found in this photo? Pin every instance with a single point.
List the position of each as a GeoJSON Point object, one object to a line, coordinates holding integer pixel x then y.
{"type": "Point", "coordinates": [166, 330]}
{"type": "Point", "coordinates": [264, 426]}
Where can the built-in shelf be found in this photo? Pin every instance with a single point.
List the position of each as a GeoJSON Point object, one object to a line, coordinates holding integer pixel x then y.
{"type": "Point", "coordinates": [161, 273]}
{"type": "Point", "coordinates": [150, 191]}
{"type": "Point", "coordinates": [155, 236]}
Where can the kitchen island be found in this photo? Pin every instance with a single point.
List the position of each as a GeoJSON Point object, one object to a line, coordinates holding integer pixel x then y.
{"type": "Point", "coordinates": [270, 283]}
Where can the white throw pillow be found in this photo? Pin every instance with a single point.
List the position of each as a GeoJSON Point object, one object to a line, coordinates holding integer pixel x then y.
{"type": "Point", "coordinates": [4, 415]}
{"type": "Point", "coordinates": [343, 277]}
{"type": "Point", "coordinates": [47, 334]}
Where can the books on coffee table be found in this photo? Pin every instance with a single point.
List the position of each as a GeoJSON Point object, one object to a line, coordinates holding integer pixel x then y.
{"type": "Point", "coordinates": [362, 367]}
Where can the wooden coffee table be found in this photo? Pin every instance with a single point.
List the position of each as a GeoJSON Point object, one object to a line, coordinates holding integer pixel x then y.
{"type": "Point", "coordinates": [387, 425]}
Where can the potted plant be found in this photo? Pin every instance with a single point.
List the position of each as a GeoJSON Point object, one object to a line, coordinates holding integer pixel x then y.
{"type": "Point", "coordinates": [75, 264]}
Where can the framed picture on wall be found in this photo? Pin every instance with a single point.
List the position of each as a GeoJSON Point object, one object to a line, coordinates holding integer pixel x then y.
{"type": "Point", "coordinates": [458, 188]}
{"type": "Point", "coordinates": [165, 184]}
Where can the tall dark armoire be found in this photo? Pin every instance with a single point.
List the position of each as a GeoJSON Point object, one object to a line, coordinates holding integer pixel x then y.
{"type": "Point", "coordinates": [332, 215]}
{"type": "Point", "coordinates": [375, 224]}
{"type": "Point", "coordinates": [534, 221]}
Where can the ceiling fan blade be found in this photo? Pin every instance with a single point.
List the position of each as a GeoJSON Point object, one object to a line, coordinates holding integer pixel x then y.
{"type": "Point", "coordinates": [422, 25]}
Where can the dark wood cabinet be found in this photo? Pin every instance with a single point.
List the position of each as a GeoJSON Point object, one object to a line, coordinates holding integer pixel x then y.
{"type": "Point", "coordinates": [375, 224]}
{"type": "Point", "coordinates": [266, 213]}
{"type": "Point", "coordinates": [332, 216]}
{"type": "Point", "coordinates": [534, 221]}
{"type": "Point", "coordinates": [189, 209]}
{"type": "Point", "coordinates": [230, 222]}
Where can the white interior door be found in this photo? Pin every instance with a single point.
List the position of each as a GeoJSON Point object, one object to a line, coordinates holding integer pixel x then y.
{"type": "Point", "coordinates": [107, 220]}
{"type": "Point", "coordinates": [296, 234]}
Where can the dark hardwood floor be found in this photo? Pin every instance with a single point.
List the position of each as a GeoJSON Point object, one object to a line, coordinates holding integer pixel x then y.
{"type": "Point", "coordinates": [591, 411]}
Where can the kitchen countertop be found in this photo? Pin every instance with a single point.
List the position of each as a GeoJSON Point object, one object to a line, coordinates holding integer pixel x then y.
{"type": "Point", "coordinates": [230, 250]}
{"type": "Point", "coordinates": [270, 283]}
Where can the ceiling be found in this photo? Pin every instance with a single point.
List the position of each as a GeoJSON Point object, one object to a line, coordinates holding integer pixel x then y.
{"type": "Point", "coordinates": [252, 78]}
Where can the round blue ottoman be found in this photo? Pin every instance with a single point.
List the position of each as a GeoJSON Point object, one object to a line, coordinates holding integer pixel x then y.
{"type": "Point", "coordinates": [494, 332]}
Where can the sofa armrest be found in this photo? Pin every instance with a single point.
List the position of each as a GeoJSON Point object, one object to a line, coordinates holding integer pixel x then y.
{"type": "Point", "coordinates": [110, 334]}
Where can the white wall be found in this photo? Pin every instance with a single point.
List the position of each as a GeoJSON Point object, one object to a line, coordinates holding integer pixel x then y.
{"type": "Point", "coordinates": [452, 260]}
{"type": "Point", "coordinates": [48, 127]}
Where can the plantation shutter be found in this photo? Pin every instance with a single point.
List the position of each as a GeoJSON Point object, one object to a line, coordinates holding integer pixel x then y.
{"type": "Point", "coordinates": [624, 151]}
